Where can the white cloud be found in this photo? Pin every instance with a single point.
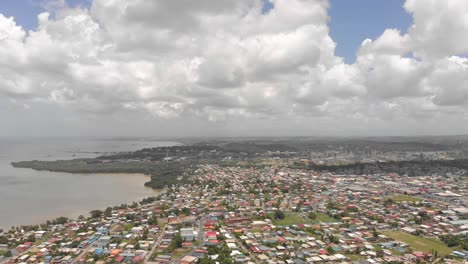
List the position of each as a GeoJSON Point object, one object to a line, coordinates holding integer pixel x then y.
{"type": "Point", "coordinates": [223, 60]}
{"type": "Point", "coordinates": [422, 70]}
{"type": "Point", "coordinates": [450, 81]}
{"type": "Point", "coordinates": [439, 28]}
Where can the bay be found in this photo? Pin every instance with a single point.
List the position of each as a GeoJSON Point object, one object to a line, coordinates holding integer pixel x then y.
{"type": "Point", "coordinates": [32, 197]}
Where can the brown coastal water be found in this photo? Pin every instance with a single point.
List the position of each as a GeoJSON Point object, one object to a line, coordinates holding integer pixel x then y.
{"type": "Point", "coordinates": [32, 197]}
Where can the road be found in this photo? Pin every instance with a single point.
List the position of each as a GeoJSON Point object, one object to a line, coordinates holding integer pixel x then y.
{"type": "Point", "coordinates": [156, 245]}
{"type": "Point", "coordinates": [84, 252]}
{"type": "Point", "coordinates": [5, 260]}
{"type": "Point", "coordinates": [245, 249]}
{"type": "Point", "coordinates": [201, 234]}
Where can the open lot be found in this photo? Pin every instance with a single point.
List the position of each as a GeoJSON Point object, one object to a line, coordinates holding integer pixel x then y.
{"type": "Point", "coordinates": [296, 218]}
{"type": "Point", "coordinates": [406, 198]}
{"type": "Point", "coordinates": [419, 243]}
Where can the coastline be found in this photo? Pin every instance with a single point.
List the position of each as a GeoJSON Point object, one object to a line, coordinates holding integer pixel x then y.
{"type": "Point", "coordinates": [29, 196]}
{"type": "Point", "coordinates": [74, 210]}
{"type": "Point", "coordinates": [75, 215]}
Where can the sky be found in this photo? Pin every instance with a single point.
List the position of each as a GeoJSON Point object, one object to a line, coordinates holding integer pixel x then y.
{"type": "Point", "coordinates": [233, 68]}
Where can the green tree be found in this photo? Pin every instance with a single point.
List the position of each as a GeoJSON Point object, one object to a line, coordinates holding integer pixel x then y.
{"type": "Point", "coordinates": [153, 220]}
{"type": "Point", "coordinates": [380, 253]}
{"type": "Point", "coordinates": [374, 232]}
{"type": "Point", "coordinates": [279, 215]}
{"type": "Point", "coordinates": [75, 244]}
{"type": "Point", "coordinates": [206, 260]}
{"type": "Point", "coordinates": [176, 242]}
{"type": "Point", "coordinates": [312, 215]}
{"type": "Point", "coordinates": [95, 213]}
{"type": "Point", "coordinates": [186, 211]}
{"type": "Point", "coordinates": [60, 221]}
{"type": "Point", "coordinates": [332, 205]}
{"type": "Point", "coordinates": [108, 212]}
{"type": "Point", "coordinates": [3, 240]}
{"type": "Point", "coordinates": [31, 238]}
{"type": "Point", "coordinates": [389, 201]}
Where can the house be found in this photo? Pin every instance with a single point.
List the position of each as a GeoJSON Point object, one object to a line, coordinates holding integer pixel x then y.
{"type": "Point", "coordinates": [115, 252]}
{"type": "Point", "coordinates": [98, 251]}
{"type": "Point", "coordinates": [67, 259]}
{"type": "Point", "coordinates": [163, 258]}
{"type": "Point", "coordinates": [187, 244]}
{"type": "Point", "coordinates": [137, 230]}
{"type": "Point", "coordinates": [39, 234]}
{"type": "Point", "coordinates": [188, 260]}
{"type": "Point", "coordinates": [409, 230]}
{"type": "Point", "coordinates": [102, 230]}
{"type": "Point", "coordinates": [103, 242]}
{"type": "Point", "coordinates": [188, 234]}
{"type": "Point", "coordinates": [210, 235]}
{"type": "Point", "coordinates": [137, 259]}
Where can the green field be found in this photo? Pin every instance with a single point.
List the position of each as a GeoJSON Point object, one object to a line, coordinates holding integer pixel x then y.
{"type": "Point", "coordinates": [406, 198]}
{"type": "Point", "coordinates": [296, 218]}
{"type": "Point", "coordinates": [180, 252]}
{"type": "Point", "coordinates": [420, 243]}
{"type": "Point", "coordinates": [325, 218]}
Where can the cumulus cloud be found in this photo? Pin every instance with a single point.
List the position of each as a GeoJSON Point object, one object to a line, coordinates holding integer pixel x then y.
{"type": "Point", "coordinates": [221, 60]}
{"type": "Point", "coordinates": [426, 63]}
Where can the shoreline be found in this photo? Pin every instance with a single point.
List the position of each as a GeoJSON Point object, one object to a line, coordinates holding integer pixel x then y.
{"type": "Point", "coordinates": [35, 220]}
{"type": "Point", "coordinates": [30, 197]}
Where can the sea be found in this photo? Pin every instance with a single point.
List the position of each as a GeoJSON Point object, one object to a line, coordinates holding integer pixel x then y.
{"type": "Point", "coordinates": [32, 197]}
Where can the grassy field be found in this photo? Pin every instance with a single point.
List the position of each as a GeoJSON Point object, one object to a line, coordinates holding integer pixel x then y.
{"type": "Point", "coordinates": [296, 218]}
{"type": "Point", "coordinates": [420, 243]}
{"type": "Point", "coordinates": [325, 218]}
{"type": "Point", "coordinates": [180, 252]}
{"type": "Point", "coordinates": [292, 219]}
{"type": "Point", "coordinates": [44, 238]}
{"type": "Point", "coordinates": [406, 198]}
{"type": "Point", "coordinates": [354, 257]}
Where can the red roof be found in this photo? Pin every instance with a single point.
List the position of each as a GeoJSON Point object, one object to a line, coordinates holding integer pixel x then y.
{"type": "Point", "coordinates": [210, 222]}
{"type": "Point", "coordinates": [22, 248]}
{"type": "Point", "coordinates": [187, 244]}
{"type": "Point", "coordinates": [210, 233]}
{"type": "Point", "coordinates": [419, 254]}
{"type": "Point", "coordinates": [255, 250]}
